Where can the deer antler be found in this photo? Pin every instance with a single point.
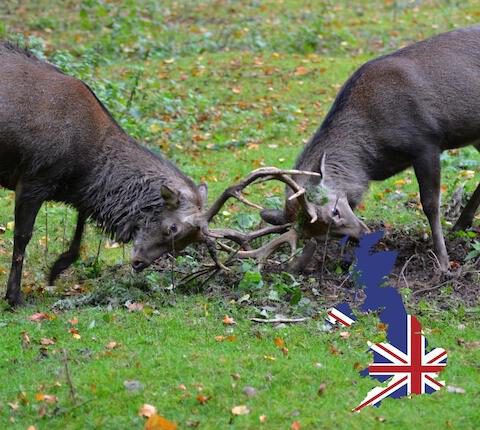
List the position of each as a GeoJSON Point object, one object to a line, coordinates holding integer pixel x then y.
{"type": "Point", "coordinates": [288, 235]}
{"type": "Point", "coordinates": [261, 254]}
{"type": "Point", "coordinates": [261, 175]}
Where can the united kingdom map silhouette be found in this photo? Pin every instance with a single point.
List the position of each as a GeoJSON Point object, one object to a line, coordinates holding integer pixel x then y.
{"type": "Point", "coordinates": [403, 361]}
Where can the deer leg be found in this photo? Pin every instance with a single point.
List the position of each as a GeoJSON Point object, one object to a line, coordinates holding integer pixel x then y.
{"type": "Point", "coordinates": [465, 219]}
{"type": "Point", "coordinates": [300, 263]}
{"type": "Point", "coordinates": [71, 255]}
{"type": "Point", "coordinates": [427, 171]}
{"type": "Point", "coordinates": [26, 210]}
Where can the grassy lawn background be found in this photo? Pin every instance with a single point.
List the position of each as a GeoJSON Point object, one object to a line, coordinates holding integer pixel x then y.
{"type": "Point", "coordinates": [221, 87]}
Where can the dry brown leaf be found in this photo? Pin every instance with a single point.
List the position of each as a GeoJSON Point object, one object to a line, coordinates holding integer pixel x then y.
{"type": "Point", "coordinates": [296, 425]}
{"type": "Point", "coordinates": [112, 345]}
{"type": "Point", "coordinates": [48, 398]}
{"type": "Point", "coordinates": [75, 333]}
{"type": "Point", "coordinates": [279, 342]}
{"type": "Point", "coordinates": [157, 422]}
{"type": "Point", "coordinates": [25, 339]}
{"type": "Point", "coordinates": [39, 317]}
{"type": "Point", "coordinates": [321, 389]}
{"type": "Point", "coordinates": [228, 320]}
{"type": "Point", "coordinates": [135, 307]}
{"type": "Point", "coordinates": [240, 410]}
{"type": "Point", "coordinates": [262, 418]}
{"type": "Point", "coordinates": [31, 428]}
{"type": "Point", "coordinates": [301, 71]}
{"type": "Point", "coordinates": [147, 410]}
{"type": "Point", "coordinates": [13, 406]}
{"type": "Point", "coordinates": [73, 321]}
{"type": "Point", "coordinates": [203, 399]}
{"type": "Point", "coordinates": [45, 341]}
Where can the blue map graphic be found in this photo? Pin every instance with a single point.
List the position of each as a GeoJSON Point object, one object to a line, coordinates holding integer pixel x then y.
{"type": "Point", "coordinates": [370, 271]}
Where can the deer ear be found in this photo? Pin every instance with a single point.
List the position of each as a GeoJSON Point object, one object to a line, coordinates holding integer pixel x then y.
{"type": "Point", "coordinates": [171, 197]}
{"type": "Point", "coordinates": [203, 191]}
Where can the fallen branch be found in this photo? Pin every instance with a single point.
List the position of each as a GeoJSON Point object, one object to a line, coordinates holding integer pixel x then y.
{"type": "Point", "coordinates": [278, 320]}
{"type": "Point", "coordinates": [68, 377]}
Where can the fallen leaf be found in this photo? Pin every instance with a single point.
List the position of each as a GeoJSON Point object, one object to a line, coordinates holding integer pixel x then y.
{"type": "Point", "coordinates": [321, 389]}
{"type": "Point", "coordinates": [236, 90]}
{"type": "Point", "coordinates": [240, 410]}
{"type": "Point", "coordinates": [456, 390]}
{"type": "Point", "coordinates": [75, 333]}
{"type": "Point", "coordinates": [135, 307]}
{"type": "Point", "coordinates": [25, 339]}
{"type": "Point", "coordinates": [73, 321]}
{"type": "Point", "coordinates": [45, 341]}
{"type": "Point", "coordinates": [31, 428]}
{"type": "Point", "coordinates": [48, 398]}
{"type": "Point", "coordinates": [112, 345]}
{"type": "Point", "coordinates": [296, 425]}
{"type": "Point", "coordinates": [13, 406]}
{"type": "Point", "coordinates": [39, 317]}
{"type": "Point", "coordinates": [301, 71]}
{"type": "Point", "coordinates": [203, 399]}
{"type": "Point", "coordinates": [344, 334]}
{"type": "Point", "coordinates": [147, 410]}
{"type": "Point", "coordinates": [279, 342]}
{"type": "Point", "coordinates": [182, 387]}
{"type": "Point", "coordinates": [157, 422]}
{"type": "Point", "coordinates": [262, 418]}
{"type": "Point", "coordinates": [228, 320]}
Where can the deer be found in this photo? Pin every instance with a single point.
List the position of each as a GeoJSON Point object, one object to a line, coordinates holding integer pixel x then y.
{"type": "Point", "coordinates": [396, 111]}
{"type": "Point", "coordinates": [59, 143]}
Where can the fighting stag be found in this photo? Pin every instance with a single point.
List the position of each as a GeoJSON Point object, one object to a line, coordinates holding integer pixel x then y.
{"type": "Point", "coordinates": [394, 112]}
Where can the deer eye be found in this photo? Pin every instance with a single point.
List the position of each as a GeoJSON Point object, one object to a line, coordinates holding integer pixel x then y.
{"type": "Point", "coordinates": [335, 212]}
{"type": "Point", "coordinates": [173, 229]}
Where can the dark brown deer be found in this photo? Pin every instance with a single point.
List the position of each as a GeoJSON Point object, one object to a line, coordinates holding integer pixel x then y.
{"type": "Point", "coordinates": [59, 143]}
{"type": "Point", "coordinates": [396, 111]}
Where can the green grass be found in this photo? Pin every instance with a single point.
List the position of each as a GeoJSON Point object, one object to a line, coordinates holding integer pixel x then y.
{"type": "Point", "coordinates": [223, 87]}
{"type": "Point", "coordinates": [177, 345]}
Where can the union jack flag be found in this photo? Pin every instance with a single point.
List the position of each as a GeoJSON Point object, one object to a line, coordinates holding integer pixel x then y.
{"type": "Point", "coordinates": [414, 371]}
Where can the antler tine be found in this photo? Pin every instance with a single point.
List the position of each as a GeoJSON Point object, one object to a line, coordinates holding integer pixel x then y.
{"type": "Point", "coordinates": [262, 253]}
{"type": "Point", "coordinates": [263, 172]}
{"type": "Point", "coordinates": [244, 238]}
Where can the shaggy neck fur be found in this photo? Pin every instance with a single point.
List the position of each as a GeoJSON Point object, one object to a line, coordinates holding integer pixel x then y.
{"type": "Point", "coordinates": [125, 190]}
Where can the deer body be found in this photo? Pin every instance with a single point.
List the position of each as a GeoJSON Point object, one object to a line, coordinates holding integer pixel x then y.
{"type": "Point", "coordinates": [59, 143]}
{"type": "Point", "coordinates": [397, 111]}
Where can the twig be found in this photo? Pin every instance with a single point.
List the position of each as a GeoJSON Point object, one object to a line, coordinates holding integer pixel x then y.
{"type": "Point", "coordinates": [402, 274]}
{"type": "Point", "coordinates": [69, 379]}
{"type": "Point", "coordinates": [434, 287]}
{"type": "Point", "coordinates": [278, 320]}
{"type": "Point", "coordinates": [97, 257]}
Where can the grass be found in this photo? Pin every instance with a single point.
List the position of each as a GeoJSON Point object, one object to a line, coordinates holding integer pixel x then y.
{"type": "Point", "coordinates": [221, 87]}
{"type": "Point", "coordinates": [177, 359]}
